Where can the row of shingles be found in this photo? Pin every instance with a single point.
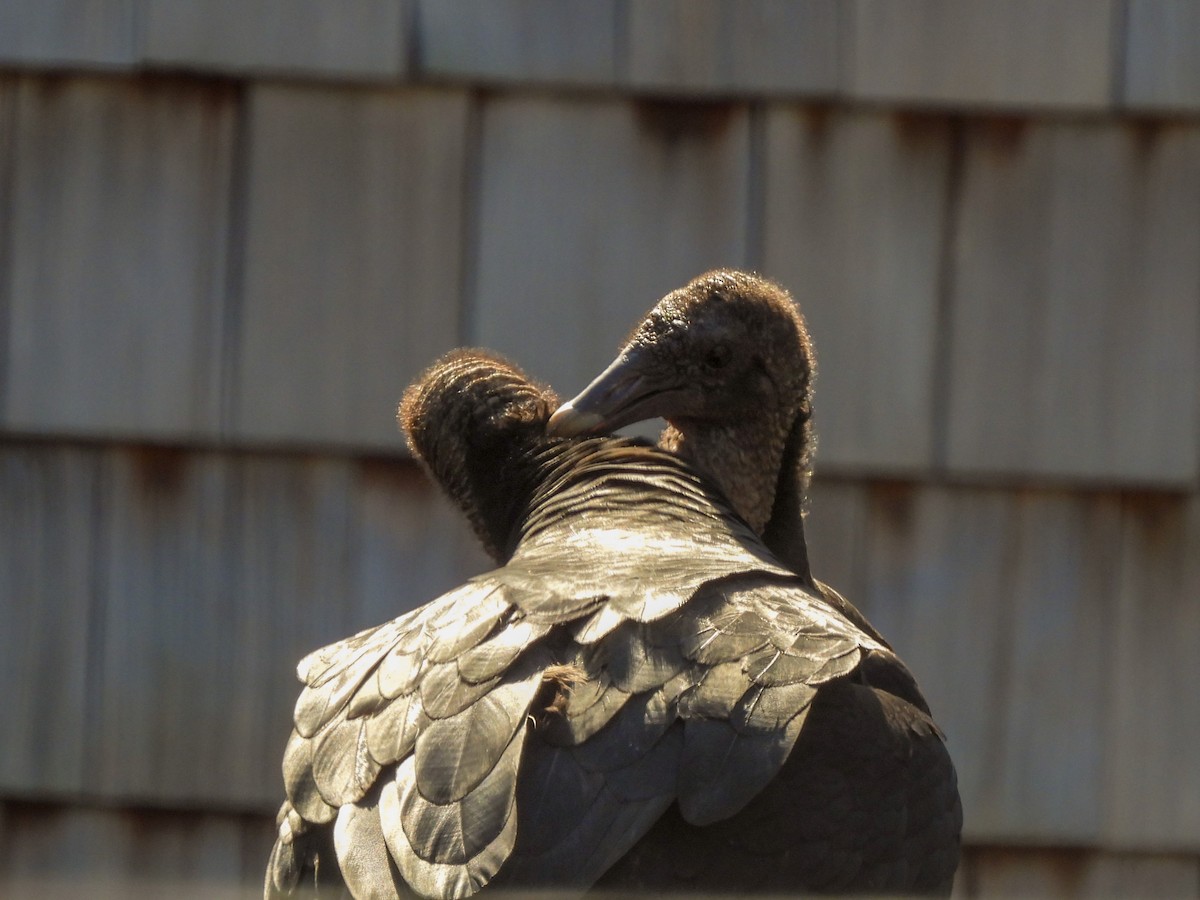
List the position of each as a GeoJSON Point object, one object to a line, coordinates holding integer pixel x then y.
{"type": "Point", "coordinates": [155, 603]}
{"type": "Point", "coordinates": [1065, 252]}
{"type": "Point", "coordinates": [352, 39]}
{"type": "Point", "coordinates": [654, 46]}
{"type": "Point", "coordinates": [1022, 53]}
{"type": "Point", "coordinates": [574, 41]}
{"type": "Point", "coordinates": [964, 53]}
{"type": "Point", "coordinates": [69, 33]}
{"type": "Point", "coordinates": [931, 52]}
{"type": "Point", "coordinates": [1054, 634]}
{"type": "Point", "coordinates": [856, 220]}
{"type": "Point", "coordinates": [323, 250]}
{"type": "Point", "coordinates": [91, 232]}
{"type": "Point", "coordinates": [51, 850]}
{"type": "Point", "coordinates": [120, 309]}
{"type": "Point", "coordinates": [1030, 53]}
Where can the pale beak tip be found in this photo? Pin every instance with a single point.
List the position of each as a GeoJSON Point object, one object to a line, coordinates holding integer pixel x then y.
{"type": "Point", "coordinates": [568, 421]}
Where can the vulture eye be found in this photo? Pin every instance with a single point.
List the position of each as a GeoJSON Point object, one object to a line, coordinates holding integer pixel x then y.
{"type": "Point", "coordinates": [717, 358]}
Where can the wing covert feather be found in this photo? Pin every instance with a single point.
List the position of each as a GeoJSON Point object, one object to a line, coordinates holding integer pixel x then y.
{"type": "Point", "coordinates": [367, 866]}
{"type": "Point", "coordinates": [433, 879]}
{"type": "Point", "coordinates": [301, 786]}
{"type": "Point", "coordinates": [720, 770]}
{"type": "Point", "coordinates": [453, 755]}
{"type": "Point", "coordinates": [342, 767]}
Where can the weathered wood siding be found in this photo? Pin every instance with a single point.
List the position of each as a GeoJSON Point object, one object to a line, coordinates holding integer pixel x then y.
{"type": "Point", "coordinates": [854, 214]}
{"type": "Point", "coordinates": [351, 262]}
{"type": "Point", "coordinates": [589, 209]}
{"type": "Point", "coordinates": [230, 233]}
{"type": "Point", "coordinates": [116, 260]}
{"type": "Point", "coordinates": [1075, 277]}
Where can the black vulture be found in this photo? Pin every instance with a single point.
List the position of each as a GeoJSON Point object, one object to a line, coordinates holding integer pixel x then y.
{"type": "Point", "coordinates": [641, 696]}
{"type": "Point", "coordinates": [728, 362]}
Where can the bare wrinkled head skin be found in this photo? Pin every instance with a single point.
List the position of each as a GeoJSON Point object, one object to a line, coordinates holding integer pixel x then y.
{"type": "Point", "coordinates": [470, 419]}
{"type": "Point", "coordinates": [727, 361]}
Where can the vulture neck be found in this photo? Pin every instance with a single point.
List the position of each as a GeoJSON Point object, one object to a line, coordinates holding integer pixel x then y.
{"type": "Point", "coordinates": [762, 467]}
{"type": "Point", "coordinates": [784, 531]}
{"type": "Point", "coordinates": [495, 493]}
{"type": "Point", "coordinates": [616, 483]}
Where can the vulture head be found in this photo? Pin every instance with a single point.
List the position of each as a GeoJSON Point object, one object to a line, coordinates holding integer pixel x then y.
{"type": "Point", "coordinates": [726, 360]}
{"type": "Point", "coordinates": [474, 420]}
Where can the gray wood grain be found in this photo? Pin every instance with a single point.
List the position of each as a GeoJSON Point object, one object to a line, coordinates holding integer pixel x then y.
{"type": "Point", "coordinates": [8, 133]}
{"type": "Point", "coordinates": [784, 46]}
{"type": "Point", "coordinates": [352, 38]}
{"type": "Point", "coordinates": [1075, 309]}
{"type": "Point", "coordinates": [854, 226]}
{"type": "Point", "coordinates": [411, 545]}
{"type": "Point", "coordinates": [590, 210]}
{"type": "Point", "coordinates": [119, 218]}
{"type": "Point", "coordinates": [1162, 55]}
{"type": "Point", "coordinates": [53, 33]}
{"type": "Point", "coordinates": [835, 529]}
{"type": "Point", "coordinates": [218, 573]}
{"type": "Point", "coordinates": [47, 517]}
{"type": "Point", "coordinates": [353, 255]}
{"type": "Point", "coordinates": [1027, 53]}
{"type": "Point", "coordinates": [296, 576]}
{"type": "Point", "coordinates": [183, 704]}
{"type": "Point", "coordinates": [60, 852]}
{"type": "Point", "coordinates": [1142, 875]}
{"type": "Point", "coordinates": [1046, 873]}
{"type": "Point", "coordinates": [733, 46]}
{"type": "Point", "coordinates": [541, 41]}
{"type": "Point", "coordinates": [676, 44]}
{"type": "Point", "coordinates": [1002, 605]}
{"type": "Point", "coordinates": [1155, 717]}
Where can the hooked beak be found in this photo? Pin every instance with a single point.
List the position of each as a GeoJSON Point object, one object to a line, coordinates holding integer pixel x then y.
{"type": "Point", "coordinates": [620, 395]}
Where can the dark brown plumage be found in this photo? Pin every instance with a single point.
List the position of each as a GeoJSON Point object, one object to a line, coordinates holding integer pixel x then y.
{"type": "Point", "coordinates": [728, 362]}
{"type": "Point", "coordinates": [641, 696]}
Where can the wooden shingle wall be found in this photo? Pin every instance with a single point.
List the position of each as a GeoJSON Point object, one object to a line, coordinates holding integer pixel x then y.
{"type": "Point", "coordinates": [231, 232]}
